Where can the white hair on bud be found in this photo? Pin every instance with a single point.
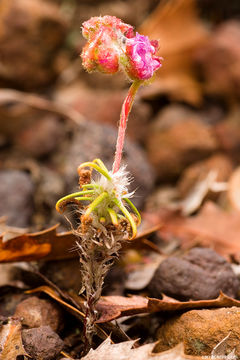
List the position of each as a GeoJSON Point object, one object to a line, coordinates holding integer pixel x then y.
{"type": "Point", "coordinates": [119, 183]}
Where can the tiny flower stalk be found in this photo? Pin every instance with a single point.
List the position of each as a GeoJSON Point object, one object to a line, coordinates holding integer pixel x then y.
{"type": "Point", "coordinates": [126, 108]}
{"type": "Point", "coordinates": [107, 215]}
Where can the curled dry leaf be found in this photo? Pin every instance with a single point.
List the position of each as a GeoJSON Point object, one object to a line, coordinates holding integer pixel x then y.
{"type": "Point", "coordinates": [50, 245]}
{"type": "Point", "coordinates": [11, 340]}
{"type": "Point", "coordinates": [170, 304]}
{"type": "Point", "coordinates": [180, 31]}
{"type": "Point", "coordinates": [125, 351]}
{"type": "Point", "coordinates": [44, 244]}
{"type": "Point", "coordinates": [114, 307]}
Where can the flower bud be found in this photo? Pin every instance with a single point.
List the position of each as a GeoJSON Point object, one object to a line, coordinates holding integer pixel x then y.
{"type": "Point", "coordinates": [104, 46]}
{"type": "Point", "coordinates": [142, 59]}
{"type": "Point", "coordinates": [112, 43]}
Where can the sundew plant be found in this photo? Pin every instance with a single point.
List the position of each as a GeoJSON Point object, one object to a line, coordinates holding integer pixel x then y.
{"type": "Point", "coordinates": [107, 215]}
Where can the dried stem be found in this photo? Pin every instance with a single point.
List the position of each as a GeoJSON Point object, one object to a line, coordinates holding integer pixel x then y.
{"type": "Point", "coordinates": [126, 108]}
{"type": "Point", "coordinates": [98, 249]}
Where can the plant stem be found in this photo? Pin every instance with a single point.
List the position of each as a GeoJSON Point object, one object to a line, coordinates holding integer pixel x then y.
{"type": "Point", "coordinates": [126, 108]}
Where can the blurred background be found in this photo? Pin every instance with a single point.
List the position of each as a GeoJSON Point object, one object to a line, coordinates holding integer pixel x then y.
{"type": "Point", "coordinates": [53, 115]}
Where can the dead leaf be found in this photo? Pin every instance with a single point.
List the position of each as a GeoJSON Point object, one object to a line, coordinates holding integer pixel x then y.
{"type": "Point", "coordinates": [113, 307]}
{"type": "Point", "coordinates": [50, 245]}
{"type": "Point", "coordinates": [11, 340]}
{"type": "Point", "coordinates": [180, 31]}
{"type": "Point", "coordinates": [10, 232]}
{"type": "Point", "coordinates": [172, 305]}
{"type": "Point", "coordinates": [125, 351]}
{"type": "Point", "coordinates": [30, 247]}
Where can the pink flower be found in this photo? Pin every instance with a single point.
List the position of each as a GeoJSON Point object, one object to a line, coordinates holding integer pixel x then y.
{"type": "Point", "coordinates": [141, 53]}
{"type": "Point", "coordinates": [112, 42]}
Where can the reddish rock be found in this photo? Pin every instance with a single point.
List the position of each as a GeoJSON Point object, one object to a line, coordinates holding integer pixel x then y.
{"type": "Point", "coordinates": [220, 59]}
{"type": "Point", "coordinates": [31, 34]}
{"type": "Point", "coordinates": [35, 312]}
{"type": "Point", "coordinates": [199, 275]}
{"type": "Point", "coordinates": [177, 138]}
{"type": "Point", "coordinates": [201, 330]}
{"type": "Point", "coordinates": [42, 343]}
{"type": "Point", "coordinates": [219, 163]}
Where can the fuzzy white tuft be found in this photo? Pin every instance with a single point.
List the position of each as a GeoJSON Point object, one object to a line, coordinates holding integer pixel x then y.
{"type": "Point", "coordinates": [119, 184]}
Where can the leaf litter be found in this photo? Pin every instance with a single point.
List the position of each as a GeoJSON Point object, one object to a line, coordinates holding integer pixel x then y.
{"type": "Point", "coordinates": [179, 82]}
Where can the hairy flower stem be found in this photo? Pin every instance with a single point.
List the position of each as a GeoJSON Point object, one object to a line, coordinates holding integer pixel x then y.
{"type": "Point", "coordinates": [126, 108]}
{"type": "Point", "coordinates": [98, 250]}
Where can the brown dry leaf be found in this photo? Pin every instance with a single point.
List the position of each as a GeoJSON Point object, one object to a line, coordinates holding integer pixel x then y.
{"type": "Point", "coordinates": [50, 245]}
{"type": "Point", "coordinates": [113, 307]}
{"type": "Point", "coordinates": [125, 351]}
{"type": "Point", "coordinates": [11, 340]}
{"type": "Point", "coordinates": [110, 307]}
{"type": "Point", "coordinates": [170, 304]}
{"type": "Point", "coordinates": [180, 31]}
{"type": "Point", "coordinates": [30, 247]}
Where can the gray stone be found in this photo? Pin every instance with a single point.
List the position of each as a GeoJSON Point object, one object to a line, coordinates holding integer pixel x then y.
{"type": "Point", "coordinates": [199, 275]}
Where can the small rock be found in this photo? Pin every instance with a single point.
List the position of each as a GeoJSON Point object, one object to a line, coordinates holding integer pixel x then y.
{"type": "Point", "coordinates": [199, 275]}
{"type": "Point", "coordinates": [36, 312]}
{"type": "Point", "coordinates": [16, 193]}
{"type": "Point", "coordinates": [219, 163]}
{"type": "Point", "coordinates": [42, 343]}
{"type": "Point", "coordinates": [177, 138]}
{"type": "Point", "coordinates": [41, 137]}
{"type": "Point", "coordinates": [201, 330]}
{"type": "Point", "coordinates": [98, 141]}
